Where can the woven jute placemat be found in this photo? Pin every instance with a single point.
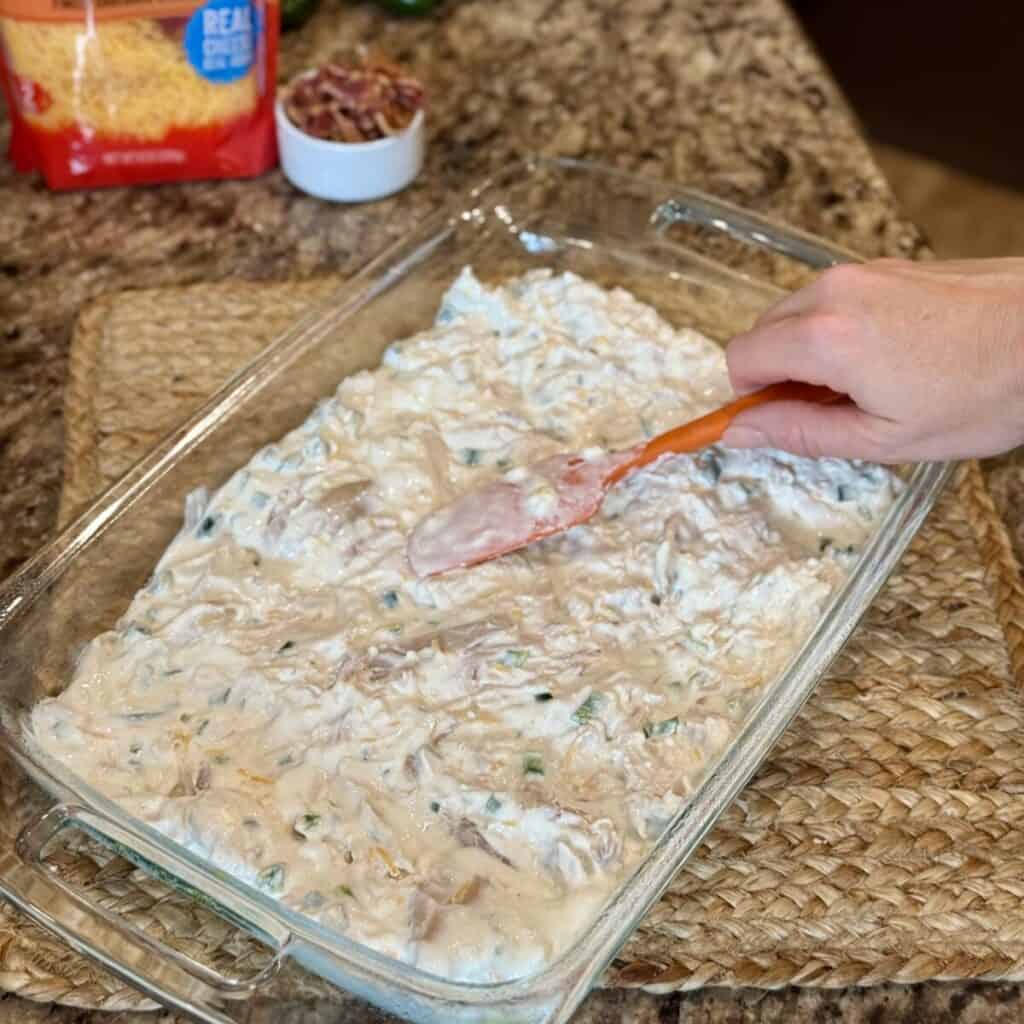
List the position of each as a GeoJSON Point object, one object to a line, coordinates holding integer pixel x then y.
{"type": "Point", "coordinates": [883, 841]}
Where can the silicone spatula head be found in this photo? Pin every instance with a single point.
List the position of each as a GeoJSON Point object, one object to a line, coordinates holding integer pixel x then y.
{"type": "Point", "coordinates": [563, 491]}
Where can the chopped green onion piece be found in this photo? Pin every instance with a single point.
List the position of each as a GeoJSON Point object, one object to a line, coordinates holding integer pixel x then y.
{"type": "Point", "coordinates": [389, 599]}
{"type": "Point", "coordinates": [514, 659]}
{"type": "Point", "coordinates": [493, 805]}
{"type": "Point", "coordinates": [663, 728]}
{"type": "Point", "coordinates": [207, 527]}
{"type": "Point", "coordinates": [271, 879]}
{"type": "Point", "coordinates": [344, 890]}
{"type": "Point", "coordinates": [435, 806]}
{"type": "Point", "coordinates": [588, 709]}
{"type": "Point", "coordinates": [712, 466]}
{"type": "Point", "coordinates": [471, 456]}
{"type": "Point", "coordinates": [533, 764]}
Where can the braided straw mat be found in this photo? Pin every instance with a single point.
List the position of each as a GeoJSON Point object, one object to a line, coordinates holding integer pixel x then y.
{"type": "Point", "coordinates": [884, 840]}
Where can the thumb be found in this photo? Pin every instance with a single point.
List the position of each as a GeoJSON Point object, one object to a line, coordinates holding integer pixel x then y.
{"type": "Point", "coordinates": [815, 431]}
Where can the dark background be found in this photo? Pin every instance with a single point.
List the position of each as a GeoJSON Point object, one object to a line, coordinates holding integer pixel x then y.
{"type": "Point", "coordinates": [942, 80]}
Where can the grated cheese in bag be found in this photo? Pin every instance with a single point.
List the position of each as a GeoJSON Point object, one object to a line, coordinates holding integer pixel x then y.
{"type": "Point", "coordinates": [104, 92]}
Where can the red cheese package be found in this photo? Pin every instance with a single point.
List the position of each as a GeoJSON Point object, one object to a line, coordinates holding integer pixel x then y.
{"type": "Point", "coordinates": [104, 92]}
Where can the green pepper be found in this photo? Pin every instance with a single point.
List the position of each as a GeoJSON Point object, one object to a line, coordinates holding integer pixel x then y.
{"type": "Point", "coordinates": [295, 13]}
{"type": "Point", "coordinates": [408, 6]}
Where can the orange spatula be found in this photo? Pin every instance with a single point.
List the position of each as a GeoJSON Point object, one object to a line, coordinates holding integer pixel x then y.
{"type": "Point", "coordinates": [564, 491]}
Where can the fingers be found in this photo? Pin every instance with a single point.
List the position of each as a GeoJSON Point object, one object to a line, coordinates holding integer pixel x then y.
{"type": "Point", "coordinates": [834, 287]}
{"type": "Point", "coordinates": [840, 431]}
{"type": "Point", "coordinates": [835, 281]}
{"type": "Point", "coordinates": [801, 301]}
{"type": "Point", "coordinates": [802, 347]}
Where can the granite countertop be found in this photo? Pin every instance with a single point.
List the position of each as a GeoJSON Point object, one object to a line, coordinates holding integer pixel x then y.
{"type": "Point", "coordinates": [722, 94]}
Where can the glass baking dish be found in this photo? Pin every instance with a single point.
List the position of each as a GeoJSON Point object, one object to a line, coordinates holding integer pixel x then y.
{"type": "Point", "coordinates": [700, 262]}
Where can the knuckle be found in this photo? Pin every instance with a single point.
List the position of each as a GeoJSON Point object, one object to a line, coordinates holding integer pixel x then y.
{"type": "Point", "coordinates": [803, 441]}
{"type": "Point", "coordinates": [789, 431]}
{"type": "Point", "coordinates": [853, 437]}
{"type": "Point", "coordinates": [880, 440]}
{"type": "Point", "coordinates": [734, 351]}
{"type": "Point", "coordinates": [737, 355]}
{"type": "Point", "coordinates": [837, 280]}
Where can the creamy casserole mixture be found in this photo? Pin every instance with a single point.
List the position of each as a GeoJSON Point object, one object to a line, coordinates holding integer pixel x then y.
{"type": "Point", "coordinates": [459, 771]}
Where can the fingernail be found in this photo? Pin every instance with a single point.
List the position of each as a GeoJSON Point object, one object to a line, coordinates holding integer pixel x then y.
{"type": "Point", "coordinates": [744, 437]}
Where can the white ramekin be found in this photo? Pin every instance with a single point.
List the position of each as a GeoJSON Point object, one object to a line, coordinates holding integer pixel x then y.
{"type": "Point", "coordinates": [349, 172]}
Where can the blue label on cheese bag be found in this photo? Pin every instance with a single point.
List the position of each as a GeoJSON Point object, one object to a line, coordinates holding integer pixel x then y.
{"type": "Point", "coordinates": [220, 39]}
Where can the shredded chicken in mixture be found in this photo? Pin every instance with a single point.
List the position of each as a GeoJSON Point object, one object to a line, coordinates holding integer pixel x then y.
{"type": "Point", "coordinates": [459, 771]}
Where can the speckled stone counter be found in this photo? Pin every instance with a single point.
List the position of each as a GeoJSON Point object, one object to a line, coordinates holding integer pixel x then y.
{"type": "Point", "coordinates": [723, 95]}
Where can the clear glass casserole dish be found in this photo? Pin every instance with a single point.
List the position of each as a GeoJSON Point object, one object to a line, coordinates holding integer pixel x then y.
{"type": "Point", "coordinates": [700, 263]}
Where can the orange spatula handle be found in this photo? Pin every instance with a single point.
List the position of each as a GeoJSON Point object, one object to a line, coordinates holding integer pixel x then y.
{"type": "Point", "coordinates": [700, 433]}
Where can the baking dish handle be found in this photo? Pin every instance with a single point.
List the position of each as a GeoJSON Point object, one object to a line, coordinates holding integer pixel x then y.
{"type": "Point", "coordinates": [165, 974]}
{"type": "Point", "coordinates": [716, 215]}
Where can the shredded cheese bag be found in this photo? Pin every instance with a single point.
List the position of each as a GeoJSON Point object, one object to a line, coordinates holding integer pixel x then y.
{"type": "Point", "coordinates": [119, 92]}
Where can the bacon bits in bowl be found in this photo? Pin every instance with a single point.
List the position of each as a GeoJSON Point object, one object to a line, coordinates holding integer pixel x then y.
{"type": "Point", "coordinates": [351, 133]}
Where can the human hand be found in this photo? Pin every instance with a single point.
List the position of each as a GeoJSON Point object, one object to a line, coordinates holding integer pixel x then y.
{"type": "Point", "coordinates": [931, 356]}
